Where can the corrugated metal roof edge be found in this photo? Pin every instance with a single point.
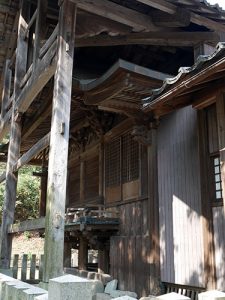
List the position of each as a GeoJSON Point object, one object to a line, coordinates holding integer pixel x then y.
{"type": "Point", "coordinates": [201, 60]}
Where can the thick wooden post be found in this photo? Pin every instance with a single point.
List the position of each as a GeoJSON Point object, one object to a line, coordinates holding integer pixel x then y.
{"type": "Point", "coordinates": [59, 140]}
{"type": "Point", "coordinates": [83, 254]}
{"type": "Point", "coordinates": [220, 108]}
{"type": "Point", "coordinates": [153, 208]}
{"type": "Point", "coordinates": [67, 254]}
{"type": "Point", "coordinates": [103, 260]}
{"type": "Point", "coordinates": [14, 147]}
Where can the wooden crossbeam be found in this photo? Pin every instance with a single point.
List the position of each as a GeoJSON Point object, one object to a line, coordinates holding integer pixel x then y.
{"type": "Point", "coordinates": [154, 38]}
{"type": "Point", "coordinates": [32, 152]}
{"type": "Point", "coordinates": [44, 71]}
{"type": "Point", "coordinates": [170, 8]}
{"type": "Point", "coordinates": [117, 13]}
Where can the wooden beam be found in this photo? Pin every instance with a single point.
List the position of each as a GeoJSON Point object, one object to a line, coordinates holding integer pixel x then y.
{"type": "Point", "coordinates": [38, 118]}
{"type": "Point", "coordinates": [170, 8]}
{"type": "Point", "coordinates": [82, 181]}
{"type": "Point", "coordinates": [117, 13]}
{"type": "Point", "coordinates": [181, 18]}
{"type": "Point", "coordinates": [44, 71]}
{"type": "Point", "coordinates": [36, 149]}
{"type": "Point", "coordinates": [59, 142]}
{"type": "Point", "coordinates": [180, 39]}
{"type": "Point", "coordinates": [14, 147]}
{"type": "Point", "coordinates": [29, 225]}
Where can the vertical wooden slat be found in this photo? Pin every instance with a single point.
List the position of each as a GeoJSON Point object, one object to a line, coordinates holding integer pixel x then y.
{"type": "Point", "coordinates": [24, 267]}
{"type": "Point", "coordinates": [44, 182]}
{"type": "Point", "coordinates": [32, 266]}
{"type": "Point", "coordinates": [14, 146]}
{"type": "Point", "coordinates": [39, 29]}
{"type": "Point", "coordinates": [15, 266]}
{"type": "Point", "coordinates": [59, 141]}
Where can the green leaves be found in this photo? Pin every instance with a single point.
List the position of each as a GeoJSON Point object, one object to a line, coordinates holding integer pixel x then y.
{"type": "Point", "coordinates": [28, 194]}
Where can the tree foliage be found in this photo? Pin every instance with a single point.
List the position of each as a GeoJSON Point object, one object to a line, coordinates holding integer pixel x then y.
{"type": "Point", "coordinates": [28, 194]}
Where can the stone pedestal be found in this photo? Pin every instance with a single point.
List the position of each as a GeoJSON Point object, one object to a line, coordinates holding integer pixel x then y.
{"type": "Point", "coordinates": [31, 293]}
{"type": "Point", "coordinates": [11, 289]}
{"type": "Point", "coordinates": [211, 295]}
{"type": "Point", "coordinates": [172, 296]}
{"type": "Point", "coordinates": [73, 288]}
{"type": "Point", "coordinates": [42, 297]}
{"type": "Point", "coordinates": [3, 280]}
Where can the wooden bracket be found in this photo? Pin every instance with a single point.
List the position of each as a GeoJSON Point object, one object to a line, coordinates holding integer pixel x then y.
{"type": "Point", "coordinates": [142, 135]}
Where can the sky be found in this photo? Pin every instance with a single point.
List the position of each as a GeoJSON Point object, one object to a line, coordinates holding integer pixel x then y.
{"type": "Point", "coordinates": [220, 2]}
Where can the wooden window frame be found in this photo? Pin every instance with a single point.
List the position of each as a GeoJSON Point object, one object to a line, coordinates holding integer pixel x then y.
{"type": "Point", "coordinates": [124, 187]}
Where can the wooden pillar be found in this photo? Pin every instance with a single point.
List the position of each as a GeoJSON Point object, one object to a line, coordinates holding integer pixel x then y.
{"type": "Point", "coordinates": [82, 181]}
{"type": "Point", "coordinates": [206, 197]}
{"type": "Point", "coordinates": [14, 146]}
{"type": "Point", "coordinates": [103, 260]}
{"type": "Point", "coordinates": [101, 172]}
{"type": "Point", "coordinates": [83, 254]}
{"type": "Point", "coordinates": [67, 254]}
{"type": "Point", "coordinates": [153, 209]}
{"type": "Point", "coordinates": [220, 109]}
{"type": "Point", "coordinates": [59, 141]}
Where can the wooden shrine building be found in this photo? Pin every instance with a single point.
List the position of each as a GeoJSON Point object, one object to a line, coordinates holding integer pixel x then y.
{"type": "Point", "coordinates": [121, 102]}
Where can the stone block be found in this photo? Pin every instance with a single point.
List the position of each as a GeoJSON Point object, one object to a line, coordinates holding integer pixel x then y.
{"type": "Point", "coordinates": [150, 297]}
{"type": "Point", "coordinates": [105, 278]}
{"type": "Point", "coordinates": [91, 275]}
{"type": "Point", "coordinates": [83, 273]}
{"type": "Point", "coordinates": [111, 286]}
{"type": "Point", "coordinates": [101, 296]}
{"type": "Point", "coordinates": [43, 285]}
{"type": "Point", "coordinates": [172, 296]}
{"type": "Point", "coordinates": [3, 280]}
{"type": "Point", "coordinates": [31, 293]}
{"type": "Point", "coordinates": [11, 289]}
{"type": "Point", "coordinates": [73, 288]}
{"type": "Point", "coordinates": [211, 295]}
{"type": "Point", "coordinates": [42, 297]}
{"type": "Point", "coordinates": [118, 293]}
{"type": "Point", "coordinates": [72, 271]}
{"type": "Point", "coordinates": [125, 298]}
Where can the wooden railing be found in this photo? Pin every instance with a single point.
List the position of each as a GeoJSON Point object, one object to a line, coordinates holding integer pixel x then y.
{"type": "Point", "coordinates": [28, 268]}
{"type": "Point", "coordinates": [189, 291]}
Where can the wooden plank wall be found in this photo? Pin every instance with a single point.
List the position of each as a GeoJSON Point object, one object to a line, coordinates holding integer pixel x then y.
{"type": "Point", "coordinates": [179, 199]}
{"type": "Point", "coordinates": [219, 241]}
{"type": "Point", "coordinates": [130, 250]}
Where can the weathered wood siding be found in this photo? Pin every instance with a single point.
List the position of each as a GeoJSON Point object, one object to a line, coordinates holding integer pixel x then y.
{"type": "Point", "coordinates": [130, 250]}
{"type": "Point", "coordinates": [179, 199]}
{"type": "Point", "coordinates": [219, 241]}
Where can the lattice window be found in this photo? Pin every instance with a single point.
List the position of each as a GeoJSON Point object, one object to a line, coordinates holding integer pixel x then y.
{"type": "Point", "coordinates": [121, 161]}
{"type": "Point", "coordinates": [217, 178]}
{"type": "Point", "coordinates": [113, 163]}
{"type": "Point", "coordinates": [130, 159]}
